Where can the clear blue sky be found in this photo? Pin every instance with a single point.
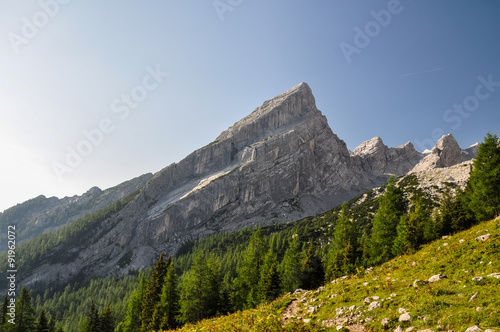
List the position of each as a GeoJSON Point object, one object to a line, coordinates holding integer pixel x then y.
{"type": "Point", "coordinates": [68, 66]}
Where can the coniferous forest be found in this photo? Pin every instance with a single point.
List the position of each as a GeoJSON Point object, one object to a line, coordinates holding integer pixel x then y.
{"type": "Point", "coordinates": [229, 272]}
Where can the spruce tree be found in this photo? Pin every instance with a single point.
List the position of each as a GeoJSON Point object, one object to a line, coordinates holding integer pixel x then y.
{"type": "Point", "coordinates": [153, 292]}
{"type": "Point", "coordinates": [42, 323]}
{"type": "Point", "coordinates": [200, 290]}
{"type": "Point", "coordinates": [106, 320]}
{"type": "Point", "coordinates": [25, 313]}
{"type": "Point", "coordinates": [133, 318]}
{"type": "Point", "coordinates": [290, 267]}
{"type": "Point", "coordinates": [483, 192]}
{"type": "Point", "coordinates": [443, 216]}
{"type": "Point", "coordinates": [392, 205]}
{"type": "Point", "coordinates": [406, 233]}
{"type": "Point", "coordinates": [312, 269]}
{"type": "Point", "coordinates": [249, 272]}
{"type": "Point", "coordinates": [52, 324]}
{"type": "Point", "coordinates": [167, 309]}
{"type": "Point", "coordinates": [343, 252]}
{"type": "Point", "coordinates": [268, 288]}
{"type": "Point", "coordinates": [4, 310]}
{"type": "Point", "coordinates": [91, 321]}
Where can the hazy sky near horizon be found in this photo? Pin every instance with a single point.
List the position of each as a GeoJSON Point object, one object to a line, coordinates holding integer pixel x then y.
{"type": "Point", "coordinates": [93, 93]}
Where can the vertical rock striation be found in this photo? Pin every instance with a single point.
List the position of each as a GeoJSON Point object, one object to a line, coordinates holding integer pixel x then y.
{"type": "Point", "coordinates": [282, 162]}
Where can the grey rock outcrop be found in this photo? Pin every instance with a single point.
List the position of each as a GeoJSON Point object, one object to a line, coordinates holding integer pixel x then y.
{"type": "Point", "coordinates": [446, 153]}
{"type": "Point", "coordinates": [279, 163]}
{"type": "Point", "coordinates": [41, 214]}
{"type": "Point", "coordinates": [378, 160]}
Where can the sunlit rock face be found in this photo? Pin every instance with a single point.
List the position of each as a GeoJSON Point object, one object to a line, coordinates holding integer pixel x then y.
{"type": "Point", "coordinates": [282, 162]}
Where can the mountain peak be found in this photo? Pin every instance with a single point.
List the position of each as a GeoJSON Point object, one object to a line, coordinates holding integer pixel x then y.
{"type": "Point", "coordinates": [371, 146]}
{"type": "Point", "coordinates": [446, 142]}
{"type": "Point", "coordinates": [275, 115]}
{"type": "Point", "coordinates": [445, 153]}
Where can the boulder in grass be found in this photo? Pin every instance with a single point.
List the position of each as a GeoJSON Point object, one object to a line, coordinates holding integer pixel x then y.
{"type": "Point", "coordinates": [437, 277]}
{"type": "Point", "coordinates": [405, 317]}
{"type": "Point", "coordinates": [474, 328]}
{"type": "Point", "coordinates": [483, 237]}
{"type": "Point", "coordinates": [374, 305]}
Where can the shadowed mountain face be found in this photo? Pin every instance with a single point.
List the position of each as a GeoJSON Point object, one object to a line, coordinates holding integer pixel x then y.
{"type": "Point", "coordinates": [41, 214]}
{"type": "Point", "coordinates": [279, 163]}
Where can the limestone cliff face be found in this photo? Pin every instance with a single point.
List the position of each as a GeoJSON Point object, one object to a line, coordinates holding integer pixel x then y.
{"type": "Point", "coordinates": [378, 160]}
{"type": "Point", "coordinates": [41, 214]}
{"type": "Point", "coordinates": [279, 163]}
{"type": "Point", "coordinates": [446, 153]}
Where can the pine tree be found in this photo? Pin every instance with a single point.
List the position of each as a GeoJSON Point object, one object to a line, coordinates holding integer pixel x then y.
{"type": "Point", "coordinates": [443, 217]}
{"type": "Point", "coordinates": [392, 205]}
{"type": "Point", "coordinates": [452, 215]}
{"type": "Point", "coordinates": [25, 313]}
{"type": "Point", "coordinates": [406, 234]}
{"type": "Point", "coordinates": [42, 323]}
{"type": "Point", "coordinates": [52, 324]}
{"type": "Point", "coordinates": [268, 288]}
{"type": "Point", "coordinates": [414, 229]}
{"type": "Point", "coordinates": [343, 252]}
{"type": "Point", "coordinates": [153, 292]}
{"type": "Point", "coordinates": [133, 317]}
{"type": "Point", "coordinates": [483, 187]}
{"type": "Point", "coordinates": [200, 290]}
{"type": "Point", "coordinates": [312, 269]}
{"type": "Point", "coordinates": [167, 310]}
{"type": "Point", "coordinates": [290, 267]}
{"type": "Point", "coordinates": [249, 272]}
{"type": "Point", "coordinates": [349, 259]}
{"type": "Point", "coordinates": [106, 320]}
{"type": "Point", "coordinates": [4, 310]}
{"type": "Point", "coordinates": [91, 321]}
{"type": "Point", "coordinates": [334, 268]}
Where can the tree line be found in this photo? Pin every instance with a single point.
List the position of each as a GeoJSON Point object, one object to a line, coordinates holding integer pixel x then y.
{"type": "Point", "coordinates": [402, 223]}
{"type": "Point", "coordinates": [23, 318]}
{"type": "Point", "coordinates": [235, 271]}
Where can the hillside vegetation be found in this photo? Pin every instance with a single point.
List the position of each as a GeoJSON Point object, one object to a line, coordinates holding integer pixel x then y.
{"type": "Point", "coordinates": [467, 294]}
{"type": "Point", "coordinates": [235, 272]}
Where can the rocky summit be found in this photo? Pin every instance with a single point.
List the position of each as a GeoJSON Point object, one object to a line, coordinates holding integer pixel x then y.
{"type": "Point", "coordinates": [282, 162]}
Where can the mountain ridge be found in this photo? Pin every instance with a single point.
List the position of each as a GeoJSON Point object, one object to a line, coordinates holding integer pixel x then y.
{"type": "Point", "coordinates": [280, 162]}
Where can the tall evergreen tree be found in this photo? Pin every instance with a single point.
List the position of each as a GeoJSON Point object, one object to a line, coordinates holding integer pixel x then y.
{"type": "Point", "coordinates": [443, 216]}
{"type": "Point", "coordinates": [344, 250]}
{"type": "Point", "coordinates": [200, 290]}
{"type": "Point", "coordinates": [392, 206]}
{"type": "Point", "coordinates": [483, 187]}
{"type": "Point", "coordinates": [312, 270]}
{"type": "Point", "coordinates": [153, 292]}
{"type": "Point", "coordinates": [42, 323]}
{"type": "Point", "coordinates": [25, 313]}
{"type": "Point", "coordinates": [106, 320]}
{"type": "Point", "coordinates": [52, 324]}
{"type": "Point", "coordinates": [290, 267]}
{"type": "Point", "coordinates": [269, 284]}
{"type": "Point", "coordinates": [414, 229]}
{"type": "Point", "coordinates": [406, 234]}
{"type": "Point", "coordinates": [167, 309]}
{"type": "Point", "coordinates": [4, 310]}
{"type": "Point", "coordinates": [249, 272]}
{"type": "Point", "coordinates": [133, 318]}
{"type": "Point", "coordinates": [91, 321]}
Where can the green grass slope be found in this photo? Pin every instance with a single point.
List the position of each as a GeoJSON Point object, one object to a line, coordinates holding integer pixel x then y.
{"type": "Point", "coordinates": [385, 298]}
